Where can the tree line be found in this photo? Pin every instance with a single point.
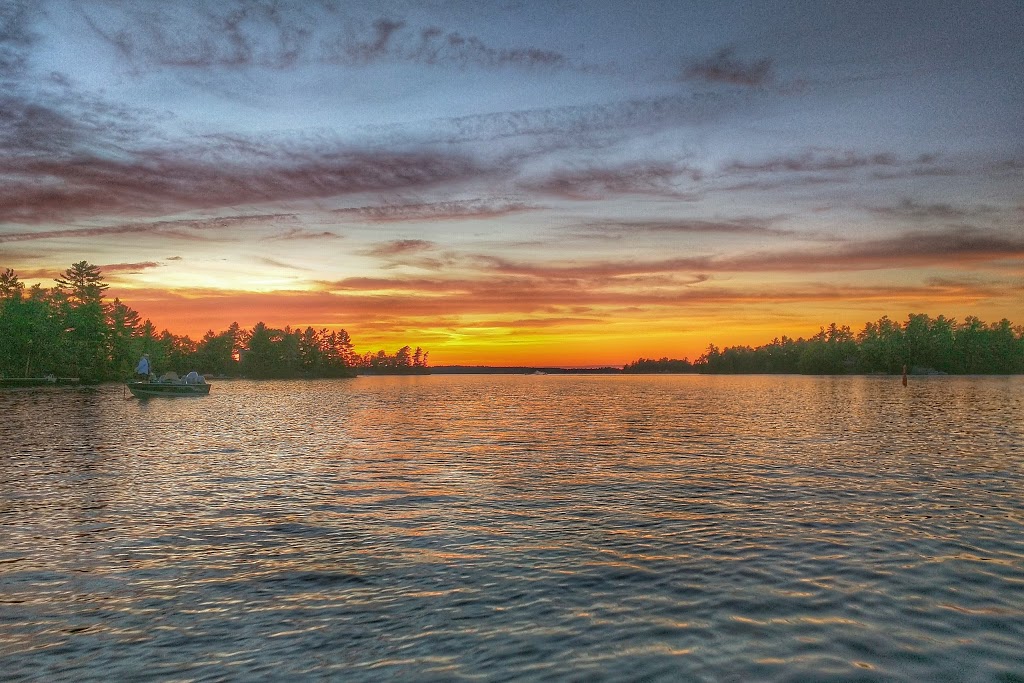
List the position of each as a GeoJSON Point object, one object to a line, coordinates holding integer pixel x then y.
{"type": "Point", "coordinates": [70, 330]}
{"type": "Point", "coordinates": [922, 345]}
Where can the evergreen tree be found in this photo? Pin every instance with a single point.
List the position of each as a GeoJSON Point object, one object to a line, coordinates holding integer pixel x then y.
{"type": "Point", "coordinates": [10, 285]}
{"type": "Point", "coordinates": [85, 335]}
{"type": "Point", "coordinates": [123, 338]}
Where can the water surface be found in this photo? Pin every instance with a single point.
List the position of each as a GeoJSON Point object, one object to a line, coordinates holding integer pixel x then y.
{"type": "Point", "coordinates": [516, 528]}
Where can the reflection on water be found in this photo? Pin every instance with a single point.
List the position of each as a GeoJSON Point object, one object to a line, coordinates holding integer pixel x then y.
{"type": "Point", "coordinates": [516, 528]}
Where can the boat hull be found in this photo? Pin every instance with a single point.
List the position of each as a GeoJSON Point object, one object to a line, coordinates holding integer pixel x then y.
{"type": "Point", "coordinates": [148, 389]}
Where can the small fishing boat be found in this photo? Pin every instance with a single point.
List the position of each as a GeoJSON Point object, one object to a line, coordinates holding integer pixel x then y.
{"type": "Point", "coordinates": [192, 384]}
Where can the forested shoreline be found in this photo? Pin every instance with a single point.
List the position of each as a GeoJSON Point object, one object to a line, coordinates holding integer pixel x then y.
{"type": "Point", "coordinates": [70, 330]}
{"type": "Point", "coordinates": [922, 345]}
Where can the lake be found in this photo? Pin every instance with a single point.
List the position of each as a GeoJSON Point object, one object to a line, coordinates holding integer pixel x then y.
{"type": "Point", "coordinates": [506, 528]}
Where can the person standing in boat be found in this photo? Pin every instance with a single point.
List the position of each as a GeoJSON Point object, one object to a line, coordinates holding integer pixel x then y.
{"type": "Point", "coordinates": [142, 370]}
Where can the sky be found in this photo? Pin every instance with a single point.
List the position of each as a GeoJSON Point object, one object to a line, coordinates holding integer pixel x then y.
{"type": "Point", "coordinates": [542, 182]}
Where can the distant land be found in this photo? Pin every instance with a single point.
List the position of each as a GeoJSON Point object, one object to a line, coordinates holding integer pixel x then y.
{"type": "Point", "coordinates": [518, 370]}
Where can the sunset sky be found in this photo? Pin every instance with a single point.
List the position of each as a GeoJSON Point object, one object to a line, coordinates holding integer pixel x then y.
{"type": "Point", "coordinates": [521, 182]}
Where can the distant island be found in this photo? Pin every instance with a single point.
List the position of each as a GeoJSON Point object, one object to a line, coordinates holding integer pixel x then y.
{"type": "Point", "coordinates": [71, 331]}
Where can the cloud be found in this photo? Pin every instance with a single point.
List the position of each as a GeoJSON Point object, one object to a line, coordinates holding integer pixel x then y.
{"type": "Point", "coordinates": [155, 181]}
{"type": "Point", "coordinates": [435, 211]}
{"type": "Point", "coordinates": [818, 166]}
{"type": "Point", "coordinates": [304, 234]}
{"type": "Point", "coordinates": [277, 263]}
{"type": "Point", "coordinates": [357, 51]}
{"type": "Point", "coordinates": [593, 272]}
{"type": "Point", "coordinates": [724, 67]}
{"type": "Point", "coordinates": [738, 226]}
{"type": "Point", "coordinates": [538, 323]}
{"type": "Point", "coordinates": [16, 36]}
{"type": "Point", "coordinates": [184, 229]}
{"type": "Point", "coordinates": [226, 34]}
{"type": "Point", "coordinates": [131, 268]}
{"type": "Point", "coordinates": [234, 35]}
{"type": "Point", "coordinates": [950, 247]}
{"type": "Point", "coordinates": [437, 46]}
{"type": "Point", "coordinates": [663, 179]}
{"type": "Point", "coordinates": [415, 253]}
{"type": "Point", "coordinates": [400, 247]}
{"type": "Point", "coordinates": [77, 232]}
{"type": "Point", "coordinates": [915, 249]}
{"type": "Point", "coordinates": [553, 129]}
{"type": "Point", "coordinates": [909, 209]}
{"type": "Point", "coordinates": [814, 161]}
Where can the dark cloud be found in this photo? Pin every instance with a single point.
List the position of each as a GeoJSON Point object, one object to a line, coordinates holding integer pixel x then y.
{"type": "Point", "coordinates": [73, 233]}
{"type": "Point", "coordinates": [816, 166]}
{"type": "Point", "coordinates": [436, 46]}
{"type": "Point", "coordinates": [277, 263]}
{"type": "Point", "coordinates": [57, 122]}
{"type": "Point", "coordinates": [155, 181]}
{"type": "Point", "coordinates": [955, 244]}
{"type": "Point", "coordinates": [304, 234]}
{"type": "Point", "coordinates": [435, 211]}
{"type": "Point", "coordinates": [227, 34]}
{"type": "Point", "coordinates": [29, 128]}
{"type": "Point", "coordinates": [967, 283]}
{"type": "Point", "coordinates": [16, 36]}
{"type": "Point", "coordinates": [910, 209]}
{"type": "Point", "coordinates": [591, 271]}
{"type": "Point", "coordinates": [271, 35]}
{"type": "Point", "coordinates": [399, 247]}
{"type": "Point", "coordinates": [950, 247]}
{"type": "Point", "coordinates": [766, 184]}
{"type": "Point", "coordinates": [724, 67]}
{"type": "Point", "coordinates": [584, 126]}
{"type": "Point", "coordinates": [391, 39]}
{"type": "Point", "coordinates": [131, 268]}
{"type": "Point", "coordinates": [739, 226]}
{"type": "Point", "coordinates": [814, 161]}
{"type": "Point", "coordinates": [662, 179]}
{"type": "Point", "coordinates": [184, 229]}
{"type": "Point", "coordinates": [364, 52]}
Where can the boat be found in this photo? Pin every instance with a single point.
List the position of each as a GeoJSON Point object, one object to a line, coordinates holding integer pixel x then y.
{"type": "Point", "coordinates": [192, 384]}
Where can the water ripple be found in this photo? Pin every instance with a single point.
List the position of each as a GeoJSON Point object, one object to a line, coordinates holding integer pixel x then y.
{"type": "Point", "coordinates": [516, 528]}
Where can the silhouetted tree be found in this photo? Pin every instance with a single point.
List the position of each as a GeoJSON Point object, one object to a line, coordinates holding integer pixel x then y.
{"type": "Point", "coordinates": [85, 326]}
{"type": "Point", "coordinates": [884, 346]}
{"type": "Point", "coordinates": [70, 330]}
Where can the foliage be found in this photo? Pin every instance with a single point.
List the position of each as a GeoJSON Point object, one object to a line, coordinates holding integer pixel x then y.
{"type": "Point", "coordinates": [922, 344]}
{"type": "Point", "coordinates": [70, 331]}
{"type": "Point", "coordinates": [404, 362]}
{"type": "Point", "coordinates": [651, 366]}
